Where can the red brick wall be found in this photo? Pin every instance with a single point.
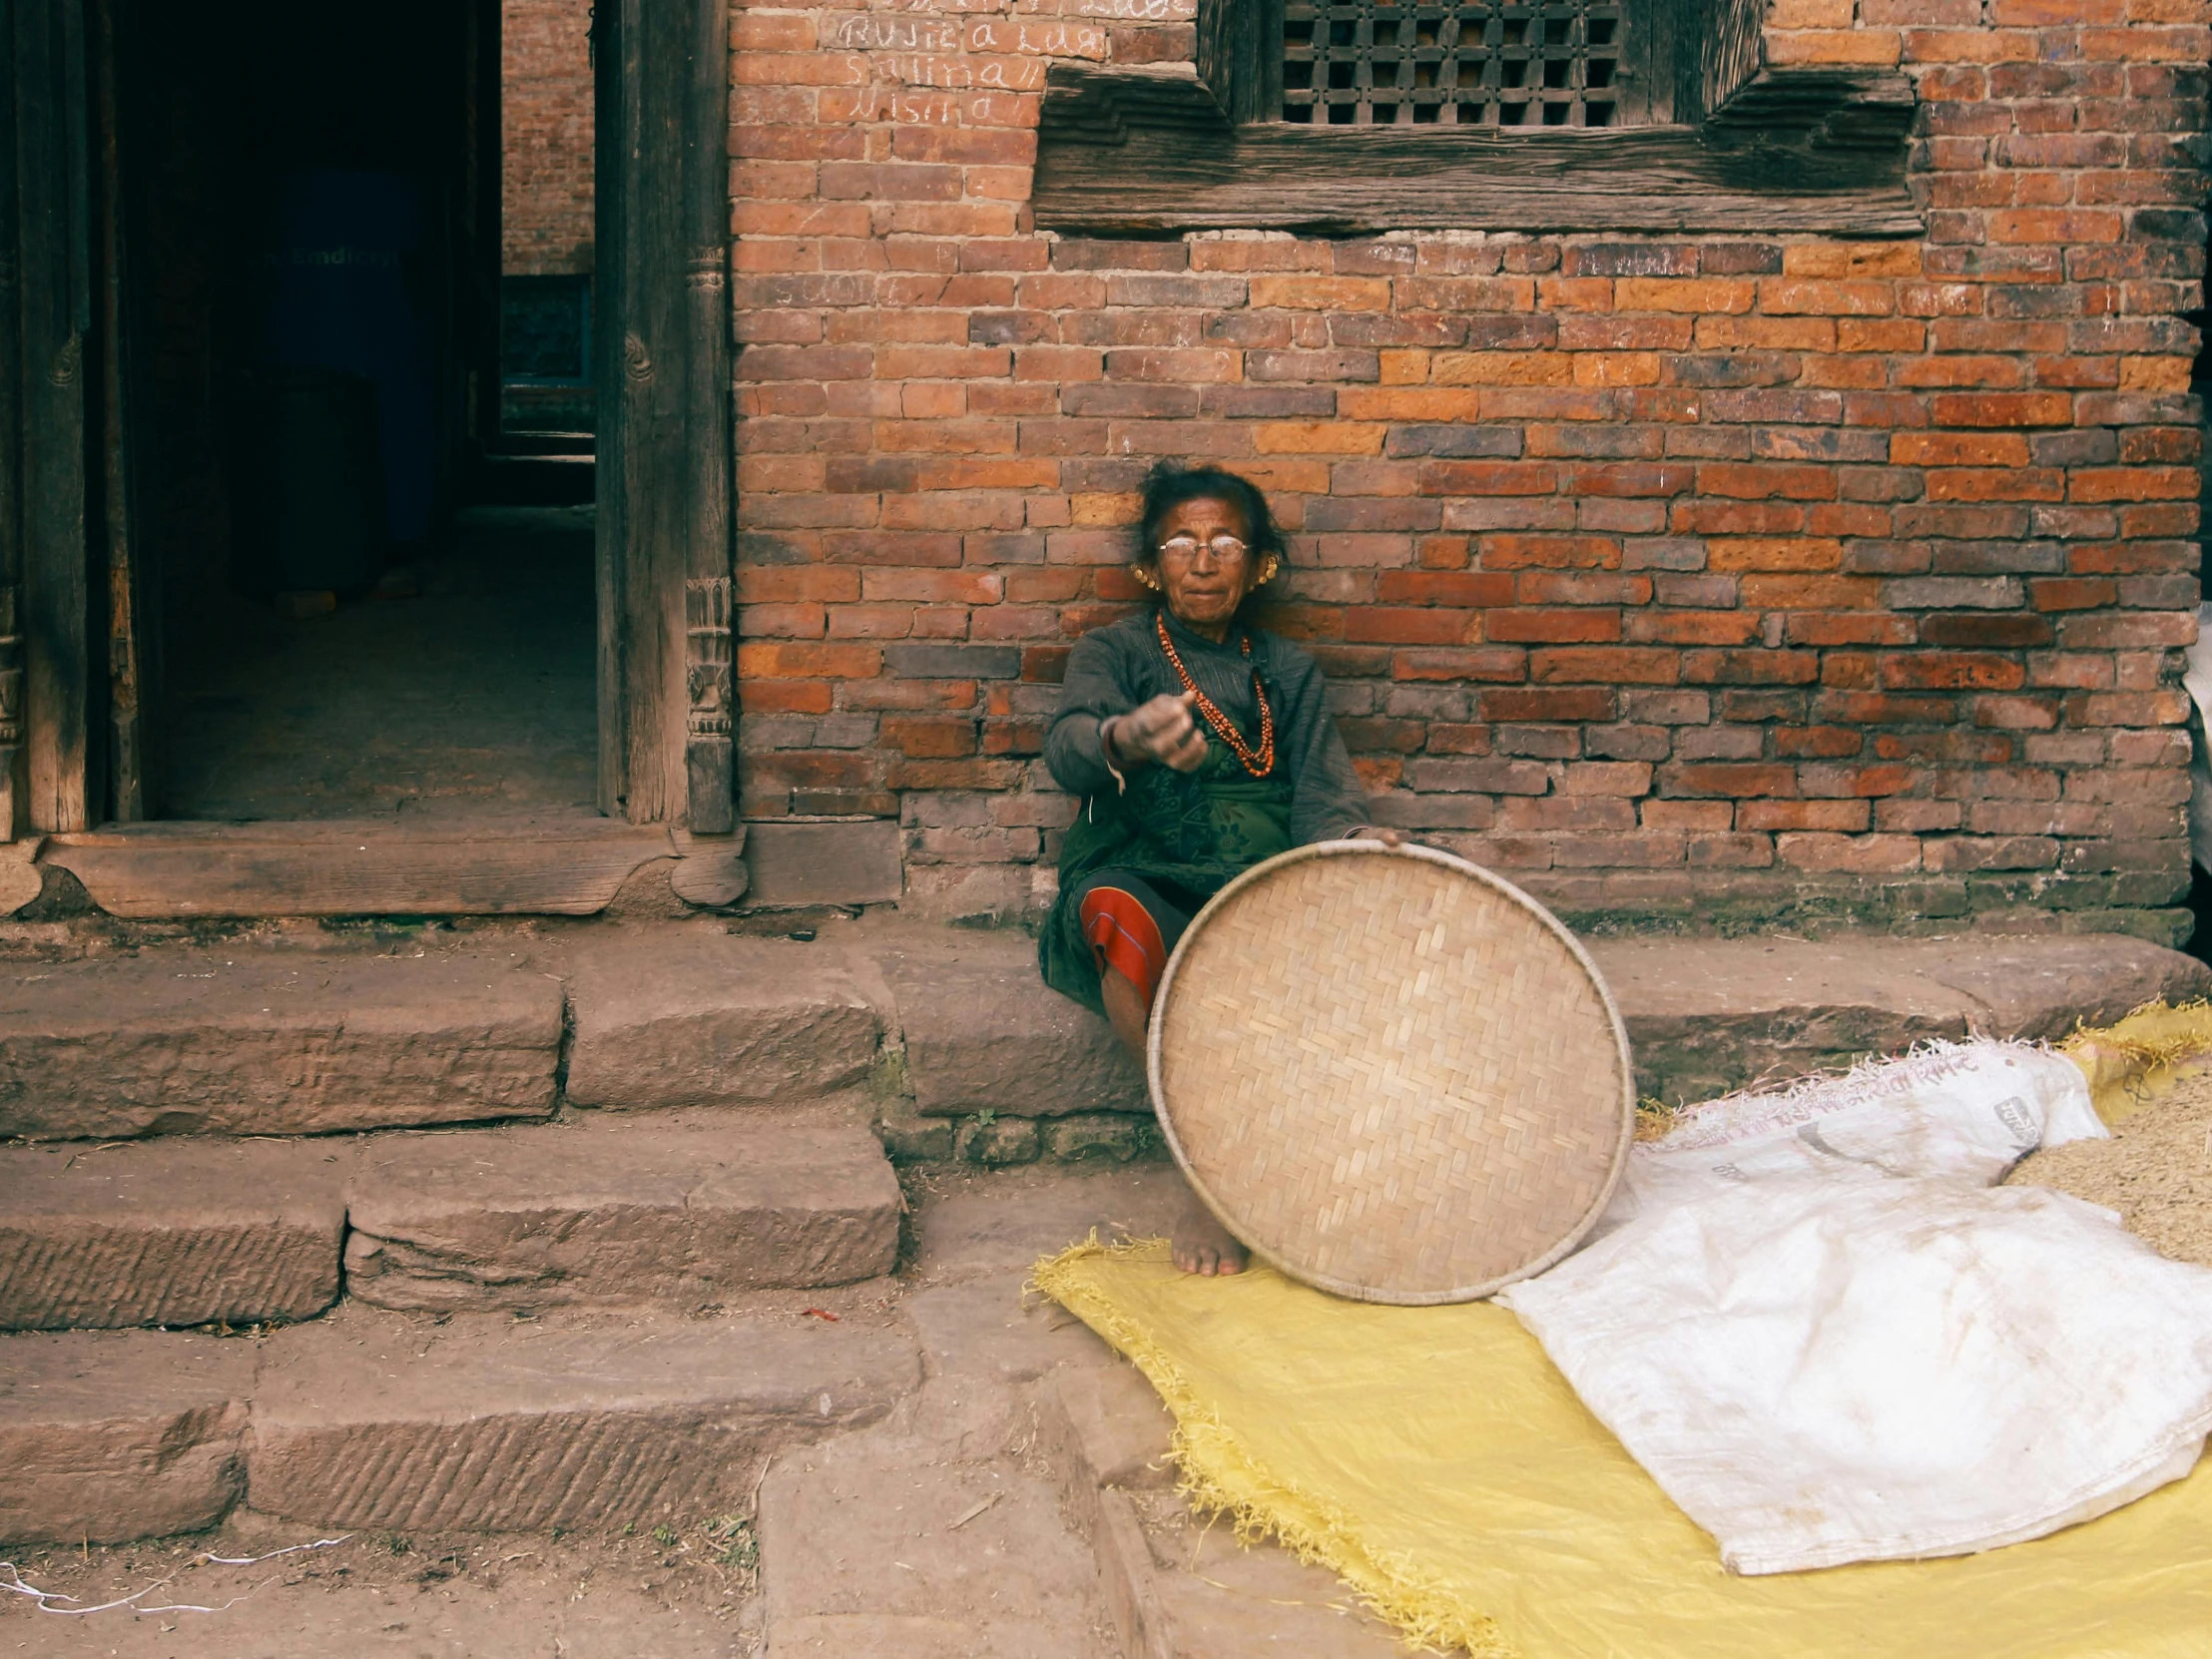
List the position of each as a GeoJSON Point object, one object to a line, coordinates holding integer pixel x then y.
{"type": "Point", "coordinates": [546, 138]}
{"type": "Point", "coordinates": [1713, 578]}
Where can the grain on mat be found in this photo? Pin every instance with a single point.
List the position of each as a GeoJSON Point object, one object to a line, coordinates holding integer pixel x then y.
{"type": "Point", "coordinates": [2156, 1171]}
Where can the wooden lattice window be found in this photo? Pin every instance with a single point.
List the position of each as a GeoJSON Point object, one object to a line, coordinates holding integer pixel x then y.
{"type": "Point", "coordinates": [1484, 63]}
{"type": "Point", "coordinates": [1337, 117]}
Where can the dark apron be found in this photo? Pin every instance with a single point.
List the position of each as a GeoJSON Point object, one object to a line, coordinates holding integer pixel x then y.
{"type": "Point", "coordinates": [1185, 833]}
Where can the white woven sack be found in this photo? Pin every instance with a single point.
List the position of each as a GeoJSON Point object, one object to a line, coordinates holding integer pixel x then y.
{"type": "Point", "coordinates": [1831, 1339]}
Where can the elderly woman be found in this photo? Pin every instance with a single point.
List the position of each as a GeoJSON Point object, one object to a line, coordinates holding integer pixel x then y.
{"type": "Point", "coordinates": [1198, 746]}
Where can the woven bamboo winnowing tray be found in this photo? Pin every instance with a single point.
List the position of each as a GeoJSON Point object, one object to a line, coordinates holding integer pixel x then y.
{"type": "Point", "coordinates": [1391, 1074]}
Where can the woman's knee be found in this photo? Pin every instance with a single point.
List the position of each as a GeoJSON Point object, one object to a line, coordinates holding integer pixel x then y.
{"type": "Point", "coordinates": [1125, 937]}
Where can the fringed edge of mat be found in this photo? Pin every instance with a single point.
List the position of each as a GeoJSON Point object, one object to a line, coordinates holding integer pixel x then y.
{"type": "Point", "coordinates": [1218, 1473]}
{"type": "Point", "coordinates": [2147, 1034]}
{"type": "Point", "coordinates": [2142, 1056]}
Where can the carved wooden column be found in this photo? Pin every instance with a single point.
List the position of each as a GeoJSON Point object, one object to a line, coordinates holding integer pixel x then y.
{"type": "Point", "coordinates": [665, 461]}
{"type": "Point", "coordinates": [709, 589]}
{"type": "Point", "coordinates": [709, 729]}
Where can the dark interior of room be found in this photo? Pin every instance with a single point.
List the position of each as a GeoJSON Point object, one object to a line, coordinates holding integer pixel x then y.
{"type": "Point", "coordinates": [343, 618]}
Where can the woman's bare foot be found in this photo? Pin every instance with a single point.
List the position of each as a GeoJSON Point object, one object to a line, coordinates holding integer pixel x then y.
{"type": "Point", "coordinates": [1203, 1246]}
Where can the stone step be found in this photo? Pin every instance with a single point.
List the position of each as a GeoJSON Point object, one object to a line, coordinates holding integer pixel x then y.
{"type": "Point", "coordinates": [971, 1057]}
{"type": "Point", "coordinates": [489, 1424]}
{"type": "Point", "coordinates": [690, 1016]}
{"type": "Point", "coordinates": [983, 1033]}
{"type": "Point", "coordinates": [176, 1231]}
{"type": "Point", "coordinates": [259, 1039]}
{"type": "Point", "coordinates": [592, 1211]}
{"type": "Point", "coordinates": [986, 1044]}
{"type": "Point", "coordinates": [1708, 1015]}
{"type": "Point", "coordinates": [477, 1422]}
{"type": "Point", "coordinates": [561, 862]}
{"type": "Point", "coordinates": [109, 1435]}
{"type": "Point", "coordinates": [605, 1210]}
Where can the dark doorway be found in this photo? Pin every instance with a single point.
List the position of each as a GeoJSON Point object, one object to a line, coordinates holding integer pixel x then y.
{"type": "Point", "coordinates": [250, 566]}
{"type": "Point", "coordinates": [352, 604]}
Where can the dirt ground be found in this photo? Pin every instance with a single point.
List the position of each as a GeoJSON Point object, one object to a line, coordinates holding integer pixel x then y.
{"type": "Point", "coordinates": [658, 1595]}
{"type": "Point", "coordinates": [2156, 1171]}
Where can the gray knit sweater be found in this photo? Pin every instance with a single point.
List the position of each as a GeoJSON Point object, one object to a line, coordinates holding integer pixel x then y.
{"type": "Point", "coordinates": [1115, 668]}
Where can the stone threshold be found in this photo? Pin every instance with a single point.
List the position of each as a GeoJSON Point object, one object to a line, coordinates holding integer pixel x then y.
{"type": "Point", "coordinates": [400, 864]}
{"type": "Point", "coordinates": [455, 863]}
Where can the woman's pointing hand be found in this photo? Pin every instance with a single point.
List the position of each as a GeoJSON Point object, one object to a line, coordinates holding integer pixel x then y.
{"type": "Point", "coordinates": [1161, 729]}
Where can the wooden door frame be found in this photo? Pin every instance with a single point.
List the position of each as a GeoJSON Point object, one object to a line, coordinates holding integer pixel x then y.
{"type": "Point", "coordinates": [49, 673]}
{"type": "Point", "coordinates": [666, 435]}
{"type": "Point", "coordinates": [12, 800]}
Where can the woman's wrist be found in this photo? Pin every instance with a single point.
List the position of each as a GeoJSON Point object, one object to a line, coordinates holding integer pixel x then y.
{"type": "Point", "coordinates": [1118, 758]}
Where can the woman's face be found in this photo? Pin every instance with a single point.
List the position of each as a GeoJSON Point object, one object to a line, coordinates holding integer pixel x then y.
{"type": "Point", "coordinates": [1203, 577]}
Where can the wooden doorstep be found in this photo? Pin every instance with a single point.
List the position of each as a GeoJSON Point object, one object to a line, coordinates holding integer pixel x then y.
{"type": "Point", "coordinates": [552, 865]}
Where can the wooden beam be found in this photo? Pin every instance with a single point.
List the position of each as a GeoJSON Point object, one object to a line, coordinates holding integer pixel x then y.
{"type": "Point", "coordinates": [54, 188]}
{"type": "Point", "coordinates": [710, 599]}
{"type": "Point", "coordinates": [124, 584]}
{"type": "Point", "coordinates": [611, 143]}
{"type": "Point", "coordinates": [640, 501]}
{"type": "Point", "coordinates": [1225, 57]}
{"type": "Point", "coordinates": [13, 818]}
{"type": "Point", "coordinates": [666, 460]}
{"type": "Point", "coordinates": [1147, 152]}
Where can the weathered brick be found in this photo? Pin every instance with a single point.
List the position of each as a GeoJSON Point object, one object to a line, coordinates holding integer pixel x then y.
{"type": "Point", "coordinates": [1631, 259]}
{"type": "Point", "coordinates": [1490, 777]}
{"type": "Point", "coordinates": [1951, 671]}
{"type": "Point", "coordinates": [1077, 254]}
{"type": "Point", "coordinates": [1454, 442]}
{"type": "Point", "coordinates": [1956, 592]}
{"type": "Point", "coordinates": [1840, 815]}
{"type": "Point", "coordinates": [1874, 853]}
{"type": "Point", "coordinates": [1322, 294]}
{"type": "Point", "coordinates": [1986, 629]}
{"type": "Point", "coordinates": [1736, 781]}
{"type": "Point", "coordinates": [1706, 297]}
{"type": "Point", "coordinates": [952, 661]}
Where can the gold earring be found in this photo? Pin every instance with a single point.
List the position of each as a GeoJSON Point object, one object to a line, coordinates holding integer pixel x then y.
{"type": "Point", "coordinates": [1148, 579]}
{"type": "Point", "coordinates": [1267, 571]}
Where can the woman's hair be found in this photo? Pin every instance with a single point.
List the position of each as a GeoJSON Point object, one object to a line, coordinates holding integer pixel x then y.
{"type": "Point", "coordinates": [1170, 484]}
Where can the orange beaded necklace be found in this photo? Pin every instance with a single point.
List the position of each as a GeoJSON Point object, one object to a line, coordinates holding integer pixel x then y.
{"type": "Point", "coordinates": [1258, 762]}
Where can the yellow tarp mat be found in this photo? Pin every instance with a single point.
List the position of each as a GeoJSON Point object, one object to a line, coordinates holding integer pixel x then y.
{"type": "Point", "coordinates": [1435, 1459]}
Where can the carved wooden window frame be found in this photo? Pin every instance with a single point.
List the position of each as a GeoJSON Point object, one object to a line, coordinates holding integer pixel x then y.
{"type": "Point", "coordinates": [1729, 144]}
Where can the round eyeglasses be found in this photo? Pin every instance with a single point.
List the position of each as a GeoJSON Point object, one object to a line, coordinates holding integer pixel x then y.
{"type": "Point", "coordinates": [1183, 549]}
